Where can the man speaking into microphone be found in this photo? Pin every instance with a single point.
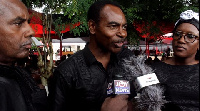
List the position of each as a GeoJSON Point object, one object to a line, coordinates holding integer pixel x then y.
{"type": "Point", "coordinates": [80, 83]}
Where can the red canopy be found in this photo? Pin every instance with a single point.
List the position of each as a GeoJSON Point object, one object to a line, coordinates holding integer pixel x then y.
{"type": "Point", "coordinates": [38, 28]}
{"type": "Point", "coordinates": [164, 27]}
{"type": "Point", "coordinates": [36, 24]}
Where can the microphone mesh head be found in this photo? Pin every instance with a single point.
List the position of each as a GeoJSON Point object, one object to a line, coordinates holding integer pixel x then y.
{"type": "Point", "coordinates": [150, 98]}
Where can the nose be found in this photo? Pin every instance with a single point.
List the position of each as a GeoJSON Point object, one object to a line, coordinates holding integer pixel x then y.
{"type": "Point", "coordinates": [122, 33]}
{"type": "Point", "coordinates": [29, 31]}
{"type": "Point", "coordinates": [182, 38]}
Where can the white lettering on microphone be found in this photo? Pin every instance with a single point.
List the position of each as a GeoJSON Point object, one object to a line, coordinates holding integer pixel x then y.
{"type": "Point", "coordinates": [122, 87]}
{"type": "Point", "coordinates": [122, 84]}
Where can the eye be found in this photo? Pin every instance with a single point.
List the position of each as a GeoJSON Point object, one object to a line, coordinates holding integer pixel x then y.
{"type": "Point", "coordinates": [29, 21]}
{"type": "Point", "coordinates": [113, 27]}
{"type": "Point", "coordinates": [190, 36]}
{"type": "Point", "coordinates": [18, 24]}
{"type": "Point", "coordinates": [124, 27]}
{"type": "Point", "coordinates": [177, 34]}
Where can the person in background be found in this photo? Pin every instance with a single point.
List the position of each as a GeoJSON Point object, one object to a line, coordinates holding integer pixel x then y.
{"type": "Point", "coordinates": [164, 57]}
{"type": "Point", "coordinates": [168, 52]}
{"type": "Point", "coordinates": [80, 82]}
{"type": "Point", "coordinates": [149, 61]}
{"type": "Point", "coordinates": [68, 55]}
{"type": "Point", "coordinates": [63, 57]}
{"type": "Point", "coordinates": [156, 59]}
{"type": "Point", "coordinates": [179, 74]}
{"type": "Point", "coordinates": [18, 90]}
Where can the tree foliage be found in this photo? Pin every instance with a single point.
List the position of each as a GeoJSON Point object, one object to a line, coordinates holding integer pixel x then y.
{"type": "Point", "coordinates": [149, 11]}
{"type": "Point", "coordinates": [136, 11]}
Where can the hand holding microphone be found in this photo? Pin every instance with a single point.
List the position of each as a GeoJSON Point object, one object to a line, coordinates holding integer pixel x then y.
{"type": "Point", "coordinates": [149, 93]}
{"type": "Point", "coordinates": [118, 95]}
{"type": "Point", "coordinates": [117, 103]}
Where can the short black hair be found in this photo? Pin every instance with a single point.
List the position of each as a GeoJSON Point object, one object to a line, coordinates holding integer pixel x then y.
{"type": "Point", "coordinates": [96, 7]}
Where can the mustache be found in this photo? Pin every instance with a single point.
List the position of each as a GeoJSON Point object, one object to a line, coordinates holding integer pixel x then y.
{"type": "Point", "coordinates": [120, 40]}
{"type": "Point", "coordinates": [28, 42]}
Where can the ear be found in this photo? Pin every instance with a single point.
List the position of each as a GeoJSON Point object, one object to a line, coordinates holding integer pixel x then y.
{"type": "Point", "coordinates": [92, 26]}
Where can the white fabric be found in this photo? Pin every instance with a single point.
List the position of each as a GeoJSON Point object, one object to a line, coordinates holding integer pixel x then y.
{"type": "Point", "coordinates": [188, 14]}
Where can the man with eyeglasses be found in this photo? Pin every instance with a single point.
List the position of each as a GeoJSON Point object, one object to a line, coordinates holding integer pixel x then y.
{"type": "Point", "coordinates": [179, 75]}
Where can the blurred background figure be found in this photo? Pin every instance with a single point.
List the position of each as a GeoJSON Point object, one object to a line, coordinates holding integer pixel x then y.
{"type": "Point", "coordinates": [164, 57]}
{"type": "Point", "coordinates": [149, 61]}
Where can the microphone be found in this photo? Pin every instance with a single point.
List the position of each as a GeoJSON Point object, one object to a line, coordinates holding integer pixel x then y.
{"type": "Point", "coordinates": [149, 92]}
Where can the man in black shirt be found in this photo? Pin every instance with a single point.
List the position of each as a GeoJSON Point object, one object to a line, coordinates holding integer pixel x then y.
{"type": "Point", "coordinates": [81, 81]}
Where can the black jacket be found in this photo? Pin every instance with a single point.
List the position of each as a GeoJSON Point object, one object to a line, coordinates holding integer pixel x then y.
{"type": "Point", "coordinates": [18, 91]}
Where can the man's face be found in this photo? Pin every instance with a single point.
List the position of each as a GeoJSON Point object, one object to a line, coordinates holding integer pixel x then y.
{"type": "Point", "coordinates": [182, 48]}
{"type": "Point", "coordinates": [15, 31]}
{"type": "Point", "coordinates": [111, 30]}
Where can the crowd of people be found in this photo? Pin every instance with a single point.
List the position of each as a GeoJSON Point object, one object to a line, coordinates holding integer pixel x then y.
{"type": "Point", "coordinates": [84, 81]}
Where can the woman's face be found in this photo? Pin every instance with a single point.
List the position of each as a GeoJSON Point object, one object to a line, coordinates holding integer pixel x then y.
{"type": "Point", "coordinates": [183, 48]}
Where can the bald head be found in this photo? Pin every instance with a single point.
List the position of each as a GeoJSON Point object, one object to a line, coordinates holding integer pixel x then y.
{"type": "Point", "coordinates": [9, 4]}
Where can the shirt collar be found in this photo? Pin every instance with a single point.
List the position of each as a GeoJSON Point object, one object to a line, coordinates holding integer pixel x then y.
{"type": "Point", "coordinates": [89, 57]}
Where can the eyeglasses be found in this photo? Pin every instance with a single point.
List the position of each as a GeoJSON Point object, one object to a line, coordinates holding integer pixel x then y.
{"type": "Point", "coordinates": [189, 38]}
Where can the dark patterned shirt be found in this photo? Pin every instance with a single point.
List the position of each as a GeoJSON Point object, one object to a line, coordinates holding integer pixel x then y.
{"type": "Point", "coordinates": [181, 83]}
{"type": "Point", "coordinates": [80, 82]}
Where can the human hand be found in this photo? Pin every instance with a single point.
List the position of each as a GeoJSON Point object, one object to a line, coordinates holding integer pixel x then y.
{"type": "Point", "coordinates": [117, 103]}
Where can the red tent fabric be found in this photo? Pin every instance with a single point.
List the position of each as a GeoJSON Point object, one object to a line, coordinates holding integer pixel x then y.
{"type": "Point", "coordinates": [38, 28]}
{"type": "Point", "coordinates": [36, 17]}
{"type": "Point", "coordinates": [165, 27]}
{"type": "Point", "coordinates": [36, 24]}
